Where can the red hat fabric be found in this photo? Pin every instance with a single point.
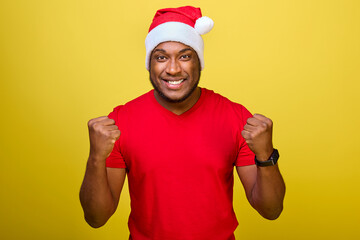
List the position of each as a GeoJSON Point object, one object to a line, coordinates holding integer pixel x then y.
{"type": "Point", "coordinates": [183, 24]}
{"type": "Point", "coordinates": [187, 15]}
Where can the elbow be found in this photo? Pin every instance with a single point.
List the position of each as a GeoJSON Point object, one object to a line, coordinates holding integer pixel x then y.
{"type": "Point", "coordinates": [271, 214]}
{"type": "Point", "coordinates": [97, 219]}
{"type": "Point", "coordinates": [95, 223]}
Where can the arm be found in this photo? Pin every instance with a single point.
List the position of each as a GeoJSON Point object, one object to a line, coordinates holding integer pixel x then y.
{"type": "Point", "coordinates": [101, 187]}
{"type": "Point", "coordinates": [264, 186]}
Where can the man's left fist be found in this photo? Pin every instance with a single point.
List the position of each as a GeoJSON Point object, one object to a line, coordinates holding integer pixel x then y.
{"type": "Point", "coordinates": [258, 135]}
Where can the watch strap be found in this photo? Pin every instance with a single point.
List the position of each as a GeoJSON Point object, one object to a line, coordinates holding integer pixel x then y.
{"type": "Point", "coordinates": [270, 162]}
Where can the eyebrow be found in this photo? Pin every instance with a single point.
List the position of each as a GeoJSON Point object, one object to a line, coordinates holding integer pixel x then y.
{"type": "Point", "coordinates": [185, 49]}
{"type": "Point", "coordinates": [159, 50]}
{"type": "Point", "coordinates": [181, 51]}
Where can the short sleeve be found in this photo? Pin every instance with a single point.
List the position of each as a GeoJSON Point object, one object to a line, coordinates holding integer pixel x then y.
{"type": "Point", "coordinates": [245, 155]}
{"type": "Point", "coordinates": [115, 159]}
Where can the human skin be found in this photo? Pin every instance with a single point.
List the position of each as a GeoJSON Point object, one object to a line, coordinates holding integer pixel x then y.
{"type": "Point", "coordinates": [175, 72]}
{"type": "Point", "coordinates": [264, 186]}
{"type": "Point", "coordinates": [101, 187]}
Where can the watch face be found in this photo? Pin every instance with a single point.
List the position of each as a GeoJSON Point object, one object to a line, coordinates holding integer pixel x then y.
{"type": "Point", "coordinates": [275, 155]}
{"type": "Point", "coordinates": [272, 160]}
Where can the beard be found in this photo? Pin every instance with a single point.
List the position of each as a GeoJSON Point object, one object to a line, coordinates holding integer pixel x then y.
{"type": "Point", "coordinates": [166, 98]}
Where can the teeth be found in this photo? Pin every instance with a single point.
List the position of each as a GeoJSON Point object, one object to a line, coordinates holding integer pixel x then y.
{"type": "Point", "coordinates": [176, 82]}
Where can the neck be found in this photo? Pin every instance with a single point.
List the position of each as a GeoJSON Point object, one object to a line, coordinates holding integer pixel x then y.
{"type": "Point", "coordinates": [179, 107]}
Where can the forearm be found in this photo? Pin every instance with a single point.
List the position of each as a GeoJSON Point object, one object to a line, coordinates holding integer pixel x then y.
{"type": "Point", "coordinates": [95, 195]}
{"type": "Point", "coordinates": [268, 192]}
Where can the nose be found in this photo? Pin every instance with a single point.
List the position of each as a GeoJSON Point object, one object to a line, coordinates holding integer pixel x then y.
{"type": "Point", "coordinates": [173, 67]}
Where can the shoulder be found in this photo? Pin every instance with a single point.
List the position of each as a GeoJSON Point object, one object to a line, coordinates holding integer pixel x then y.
{"type": "Point", "coordinates": [137, 105]}
{"type": "Point", "coordinates": [140, 101]}
{"type": "Point", "coordinates": [219, 103]}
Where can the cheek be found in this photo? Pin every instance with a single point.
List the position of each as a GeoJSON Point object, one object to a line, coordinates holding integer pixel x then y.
{"type": "Point", "coordinates": [195, 69]}
{"type": "Point", "coordinates": [157, 67]}
{"type": "Point", "coordinates": [154, 69]}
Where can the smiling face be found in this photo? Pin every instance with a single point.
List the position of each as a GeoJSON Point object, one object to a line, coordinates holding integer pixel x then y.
{"type": "Point", "coordinates": [174, 72]}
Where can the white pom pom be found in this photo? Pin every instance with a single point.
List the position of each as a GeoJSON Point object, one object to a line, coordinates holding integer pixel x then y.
{"type": "Point", "coordinates": [204, 25]}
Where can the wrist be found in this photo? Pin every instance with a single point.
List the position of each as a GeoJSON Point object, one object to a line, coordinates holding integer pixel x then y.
{"type": "Point", "coordinates": [96, 160]}
{"type": "Point", "coordinates": [264, 156]}
{"type": "Point", "coordinates": [271, 161]}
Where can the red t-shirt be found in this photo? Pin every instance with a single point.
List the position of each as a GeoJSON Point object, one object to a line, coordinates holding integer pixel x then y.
{"type": "Point", "coordinates": [180, 167]}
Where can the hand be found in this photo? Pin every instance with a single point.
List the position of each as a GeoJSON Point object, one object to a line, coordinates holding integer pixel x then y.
{"type": "Point", "coordinates": [258, 135]}
{"type": "Point", "coordinates": [103, 134]}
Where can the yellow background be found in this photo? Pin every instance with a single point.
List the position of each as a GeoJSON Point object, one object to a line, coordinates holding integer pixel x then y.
{"type": "Point", "coordinates": [66, 61]}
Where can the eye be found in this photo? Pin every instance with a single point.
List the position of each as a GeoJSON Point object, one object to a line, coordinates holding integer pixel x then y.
{"type": "Point", "coordinates": [160, 58]}
{"type": "Point", "coordinates": [185, 57]}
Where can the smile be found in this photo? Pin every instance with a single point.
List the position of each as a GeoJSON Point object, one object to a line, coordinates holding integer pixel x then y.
{"type": "Point", "coordinates": [174, 82]}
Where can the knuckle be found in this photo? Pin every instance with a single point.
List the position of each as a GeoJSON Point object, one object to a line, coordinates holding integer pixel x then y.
{"type": "Point", "coordinates": [246, 135]}
{"type": "Point", "coordinates": [90, 122]}
{"type": "Point", "coordinates": [261, 127]}
{"type": "Point", "coordinates": [115, 133]}
{"type": "Point", "coordinates": [257, 116]}
{"type": "Point", "coordinates": [243, 133]}
{"type": "Point", "coordinates": [106, 133]}
{"type": "Point", "coordinates": [92, 127]}
{"type": "Point", "coordinates": [252, 135]}
{"type": "Point", "coordinates": [96, 126]}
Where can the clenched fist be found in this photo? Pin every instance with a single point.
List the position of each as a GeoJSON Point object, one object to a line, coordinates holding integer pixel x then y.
{"type": "Point", "coordinates": [258, 135]}
{"type": "Point", "coordinates": [103, 134]}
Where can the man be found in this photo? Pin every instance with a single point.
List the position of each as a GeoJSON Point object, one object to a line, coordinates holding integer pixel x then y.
{"type": "Point", "coordinates": [178, 145]}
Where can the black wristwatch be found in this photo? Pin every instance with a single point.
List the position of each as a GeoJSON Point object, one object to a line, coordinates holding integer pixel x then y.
{"type": "Point", "coordinates": [271, 162]}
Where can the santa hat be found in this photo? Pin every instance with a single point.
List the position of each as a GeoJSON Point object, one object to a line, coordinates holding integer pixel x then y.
{"type": "Point", "coordinates": [183, 24]}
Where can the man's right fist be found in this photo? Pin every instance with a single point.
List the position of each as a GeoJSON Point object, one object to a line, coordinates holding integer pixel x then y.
{"type": "Point", "coordinates": [103, 134]}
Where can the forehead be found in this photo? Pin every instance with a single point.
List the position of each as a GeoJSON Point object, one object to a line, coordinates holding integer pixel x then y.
{"type": "Point", "coordinates": [173, 46]}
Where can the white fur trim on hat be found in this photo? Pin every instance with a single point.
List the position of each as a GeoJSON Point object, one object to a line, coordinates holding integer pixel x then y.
{"type": "Point", "coordinates": [177, 32]}
{"type": "Point", "coordinates": [203, 25]}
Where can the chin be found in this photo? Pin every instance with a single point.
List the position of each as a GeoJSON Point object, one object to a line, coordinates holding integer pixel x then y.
{"type": "Point", "coordinates": [174, 99]}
